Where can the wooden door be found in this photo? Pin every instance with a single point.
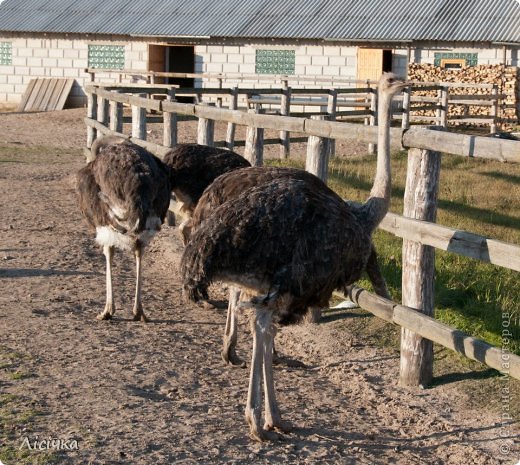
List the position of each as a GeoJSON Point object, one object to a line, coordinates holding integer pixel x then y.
{"type": "Point", "coordinates": [371, 62]}
{"type": "Point", "coordinates": [157, 60]}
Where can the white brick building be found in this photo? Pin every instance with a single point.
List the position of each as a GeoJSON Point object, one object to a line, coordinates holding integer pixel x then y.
{"type": "Point", "coordinates": [64, 45]}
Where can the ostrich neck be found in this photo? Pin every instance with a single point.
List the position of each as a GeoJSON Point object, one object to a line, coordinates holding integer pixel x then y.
{"type": "Point", "coordinates": [379, 200]}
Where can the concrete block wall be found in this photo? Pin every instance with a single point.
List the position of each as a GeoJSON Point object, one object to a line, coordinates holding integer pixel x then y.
{"type": "Point", "coordinates": [486, 56]}
{"type": "Point", "coordinates": [61, 58]}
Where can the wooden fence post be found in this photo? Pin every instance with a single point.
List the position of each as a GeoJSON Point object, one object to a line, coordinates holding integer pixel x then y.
{"type": "Point", "coordinates": [92, 114]}
{"type": "Point", "coordinates": [285, 110]}
{"type": "Point", "coordinates": [139, 120]}
{"type": "Point", "coordinates": [494, 110]}
{"type": "Point", "coordinates": [331, 111]}
{"type": "Point", "coordinates": [420, 202]}
{"type": "Point", "coordinates": [116, 116]}
{"type": "Point", "coordinates": [206, 131]}
{"type": "Point", "coordinates": [444, 106]}
{"type": "Point", "coordinates": [254, 150]}
{"type": "Point", "coordinates": [318, 151]}
{"type": "Point", "coordinates": [230, 134]}
{"type": "Point", "coordinates": [405, 123]}
{"type": "Point", "coordinates": [102, 111]}
{"type": "Point", "coordinates": [170, 123]}
{"type": "Point", "coordinates": [373, 117]}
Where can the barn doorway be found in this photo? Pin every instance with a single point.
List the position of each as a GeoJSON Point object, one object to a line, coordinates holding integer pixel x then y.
{"type": "Point", "coordinates": [173, 59]}
{"type": "Point", "coordinates": [371, 62]}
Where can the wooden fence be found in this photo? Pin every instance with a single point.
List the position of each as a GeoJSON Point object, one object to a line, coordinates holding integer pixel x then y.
{"type": "Point", "coordinates": [416, 226]}
{"type": "Point", "coordinates": [337, 98]}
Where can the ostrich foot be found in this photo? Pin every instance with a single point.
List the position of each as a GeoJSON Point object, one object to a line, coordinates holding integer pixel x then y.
{"type": "Point", "coordinates": [231, 358]}
{"type": "Point", "coordinates": [104, 315]}
{"type": "Point", "coordinates": [140, 317]}
{"type": "Point", "coordinates": [261, 435]}
{"type": "Point", "coordinates": [280, 426]}
{"type": "Point", "coordinates": [107, 313]}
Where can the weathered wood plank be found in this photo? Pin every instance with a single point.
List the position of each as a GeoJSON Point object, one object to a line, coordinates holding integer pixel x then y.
{"type": "Point", "coordinates": [453, 240]}
{"type": "Point", "coordinates": [462, 144]}
{"type": "Point", "coordinates": [254, 150]}
{"type": "Point", "coordinates": [317, 161]}
{"type": "Point", "coordinates": [437, 332]}
{"type": "Point", "coordinates": [420, 202]}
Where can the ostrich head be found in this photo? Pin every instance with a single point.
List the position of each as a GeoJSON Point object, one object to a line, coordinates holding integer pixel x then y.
{"type": "Point", "coordinates": [390, 84]}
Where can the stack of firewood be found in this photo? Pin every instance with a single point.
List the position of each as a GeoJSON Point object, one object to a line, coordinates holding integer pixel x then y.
{"type": "Point", "coordinates": [505, 78]}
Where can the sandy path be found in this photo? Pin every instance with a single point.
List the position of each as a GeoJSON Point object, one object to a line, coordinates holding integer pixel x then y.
{"type": "Point", "coordinates": [133, 393]}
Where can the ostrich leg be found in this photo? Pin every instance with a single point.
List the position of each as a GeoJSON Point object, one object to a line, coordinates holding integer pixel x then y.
{"type": "Point", "coordinates": [138, 306]}
{"type": "Point", "coordinates": [260, 325]}
{"type": "Point", "coordinates": [230, 334]}
{"type": "Point", "coordinates": [110, 306]}
{"type": "Point", "coordinates": [272, 412]}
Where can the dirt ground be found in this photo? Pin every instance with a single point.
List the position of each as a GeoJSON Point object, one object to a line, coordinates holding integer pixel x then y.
{"type": "Point", "coordinates": [121, 392]}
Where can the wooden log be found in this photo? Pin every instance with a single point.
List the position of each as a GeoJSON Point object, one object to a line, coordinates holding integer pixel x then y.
{"type": "Point", "coordinates": [116, 116]}
{"type": "Point", "coordinates": [206, 131]}
{"type": "Point", "coordinates": [139, 120]}
{"type": "Point", "coordinates": [231, 127]}
{"type": "Point", "coordinates": [170, 124]}
{"type": "Point", "coordinates": [494, 111]}
{"type": "Point", "coordinates": [444, 107]}
{"type": "Point", "coordinates": [92, 114]}
{"type": "Point", "coordinates": [332, 104]}
{"type": "Point", "coordinates": [405, 123]}
{"type": "Point", "coordinates": [285, 110]}
{"type": "Point", "coordinates": [318, 150]}
{"type": "Point", "coordinates": [254, 150]}
{"type": "Point", "coordinates": [437, 332]}
{"type": "Point", "coordinates": [420, 202]}
{"type": "Point", "coordinates": [102, 113]}
{"type": "Point", "coordinates": [453, 240]}
{"type": "Point", "coordinates": [462, 144]}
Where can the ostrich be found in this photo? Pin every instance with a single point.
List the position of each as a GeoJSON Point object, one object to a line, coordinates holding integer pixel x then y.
{"type": "Point", "coordinates": [288, 245]}
{"type": "Point", "coordinates": [193, 168]}
{"type": "Point", "coordinates": [190, 169]}
{"type": "Point", "coordinates": [230, 186]}
{"type": "Point", "coordinates": [124, 194]}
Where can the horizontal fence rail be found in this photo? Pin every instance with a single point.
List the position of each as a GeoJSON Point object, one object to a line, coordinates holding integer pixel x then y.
{"type": "Point", "coordinates": [104, 117]}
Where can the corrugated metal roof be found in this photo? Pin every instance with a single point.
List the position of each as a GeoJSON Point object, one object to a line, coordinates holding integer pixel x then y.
{"type": "Point", "coordinates": [349, 20]}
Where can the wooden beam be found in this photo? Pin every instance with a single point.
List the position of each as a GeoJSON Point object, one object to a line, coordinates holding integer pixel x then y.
{"type": "Point", "coordinates": [420, 202]}
{"type": "Point", "coordinates": [437, 332]}
{"type": "Point", "coordinates": [454, 240]}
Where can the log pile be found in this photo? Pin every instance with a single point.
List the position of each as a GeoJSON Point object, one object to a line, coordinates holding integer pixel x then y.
{"type": "Point", "coordinates": [506, 78]}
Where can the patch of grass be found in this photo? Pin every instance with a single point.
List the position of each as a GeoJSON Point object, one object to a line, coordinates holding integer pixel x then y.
{"type": "Point", "coordinates": [19, 414]}
{"type": "Point", "coordinates": [34, 154]}
{"type": "Point", "coordinates": [478, 196]}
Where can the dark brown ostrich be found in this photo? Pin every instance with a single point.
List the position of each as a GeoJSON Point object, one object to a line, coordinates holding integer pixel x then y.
{"type": "Point", "coordinates": [231, 186]}
{"type": "Point", "coordinates": [124, 194]}
{"type": "Point", "coordinates": [193, 168]}
{"type": "Point", "coordinates": [288, 245]}
{"type": "Point", "coordinates": [190, 168]}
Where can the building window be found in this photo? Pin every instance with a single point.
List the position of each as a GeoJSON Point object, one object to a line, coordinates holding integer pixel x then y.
{"type": "Point", "coordinates": [106, 56]}
{"type": "Point", "coordinates": [275, 61]}
{"type": "Point", "coordinates": [6, 54]}
{"type": "Point", "coordinates": [455, 60]}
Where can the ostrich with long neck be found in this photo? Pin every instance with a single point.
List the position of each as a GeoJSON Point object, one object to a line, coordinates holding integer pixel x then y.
{"type": "Point", "coordinates": [287, 244]}
{"type": "Point", "coordinates": [231, 186]}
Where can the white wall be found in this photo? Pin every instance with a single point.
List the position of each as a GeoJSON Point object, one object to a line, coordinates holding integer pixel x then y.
{"type": "Point", "coordinates": [62, 58]}
{"type": "Point", "coordinates": [486, 56]}
{"type": "Point", "coordinates": [55, 57]}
